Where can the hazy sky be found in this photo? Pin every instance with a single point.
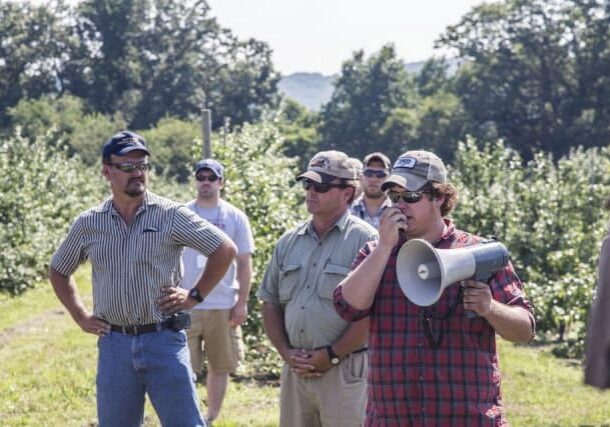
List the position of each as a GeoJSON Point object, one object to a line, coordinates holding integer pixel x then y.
{"type": "Point", "coordinates": [318, 35]}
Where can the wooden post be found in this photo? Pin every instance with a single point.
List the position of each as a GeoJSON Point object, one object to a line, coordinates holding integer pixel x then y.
{"type": "Point", "coordinates": [206, 125]}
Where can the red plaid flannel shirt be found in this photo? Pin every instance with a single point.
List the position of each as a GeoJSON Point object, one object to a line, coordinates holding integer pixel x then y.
{"type": "Point", "coordinates": [412, 384]}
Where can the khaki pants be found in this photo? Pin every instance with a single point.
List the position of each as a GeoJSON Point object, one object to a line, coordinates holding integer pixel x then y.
{"type": "Point", "coordinates": [337, 399]}
{"type": "Point", "coordinates": [223, 344]}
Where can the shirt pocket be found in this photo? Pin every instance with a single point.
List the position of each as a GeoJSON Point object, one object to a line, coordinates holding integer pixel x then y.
{"type": "Point", "coordinates": [289, 279]}
{"type": "Point", "coordinates": [331, 276]}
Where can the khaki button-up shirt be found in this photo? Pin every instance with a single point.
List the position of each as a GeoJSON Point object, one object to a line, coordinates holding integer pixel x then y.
{"type": "Point", "coordinates": [303, 273]}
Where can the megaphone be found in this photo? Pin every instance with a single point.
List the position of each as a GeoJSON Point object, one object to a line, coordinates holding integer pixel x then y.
{"type": "Point", "coordinates": [423, 271]}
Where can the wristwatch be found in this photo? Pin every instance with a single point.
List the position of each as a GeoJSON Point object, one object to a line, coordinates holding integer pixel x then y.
{"type": "Point", "coordinates": [332, 356]}
{"type": "Point", "coordinates": [194, 293]}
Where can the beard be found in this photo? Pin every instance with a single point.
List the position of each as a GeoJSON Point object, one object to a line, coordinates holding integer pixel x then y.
{"type": "Point", "coordinates": [135, 188]}
{"type": "Point", "coordinates": [377, 194]}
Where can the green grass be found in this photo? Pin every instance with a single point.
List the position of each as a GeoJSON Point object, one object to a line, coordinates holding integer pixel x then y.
{"type": "Point", "coordinates": [47, 377]}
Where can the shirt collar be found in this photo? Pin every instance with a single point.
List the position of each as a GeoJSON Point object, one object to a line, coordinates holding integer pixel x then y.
{"type": "Point", "coordinates": [307, 227]}
{"type": "Point", "coordinates": [149, 200]}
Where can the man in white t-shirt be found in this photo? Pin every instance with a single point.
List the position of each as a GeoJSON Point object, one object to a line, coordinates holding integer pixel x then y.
{"type": "Point", "coordinates": [216, 320]}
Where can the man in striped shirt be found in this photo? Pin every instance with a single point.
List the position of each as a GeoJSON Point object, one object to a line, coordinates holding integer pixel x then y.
{"type": "Point", "coordinates": [430, 366]}
{"type": "Point", "coordinates": [134, 241]}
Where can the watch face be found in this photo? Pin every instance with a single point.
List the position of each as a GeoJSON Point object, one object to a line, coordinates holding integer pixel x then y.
{"type": "Point", "coordinates": [195, 294]}
{"type": "Point", "coordinates": [334, 360]}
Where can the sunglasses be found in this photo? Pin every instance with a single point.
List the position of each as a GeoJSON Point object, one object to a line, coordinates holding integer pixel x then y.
{"type": "Point", "coordinates": [203, 178]}
{"type": "Point", "coordinates": [130, 167]}
{"type": "Point", "coordinates": [406, 196]}
{"type": "Point", "coordinates": [320, 187]}
{"type": "Point", "coordinates": [370, 173]}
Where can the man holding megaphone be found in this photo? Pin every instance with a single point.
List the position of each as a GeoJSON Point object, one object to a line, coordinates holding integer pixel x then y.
{"type": "Point", "coordinates": [431, 363]}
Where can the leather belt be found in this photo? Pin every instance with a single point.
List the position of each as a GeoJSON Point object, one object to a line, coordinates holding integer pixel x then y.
{"type": "Point", "coordinates": [140, 329]}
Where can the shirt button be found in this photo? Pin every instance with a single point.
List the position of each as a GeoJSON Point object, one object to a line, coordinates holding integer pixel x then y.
{"type": "Point", "coordinates": [302, 307]}
{"type": "Point", "coordinates": [302, 331]}
{"type": "Point", "coordinates": [315, 264]}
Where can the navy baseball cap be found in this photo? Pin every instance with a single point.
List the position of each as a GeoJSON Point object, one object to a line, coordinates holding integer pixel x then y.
{"type": "Point", "coordinates": [123, 143]}
{"type": "Point", "coordinates": [210, 164]}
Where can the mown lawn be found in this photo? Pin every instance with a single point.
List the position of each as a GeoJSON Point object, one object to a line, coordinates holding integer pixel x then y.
{"type": "Point", "coordinates": [48, 368]}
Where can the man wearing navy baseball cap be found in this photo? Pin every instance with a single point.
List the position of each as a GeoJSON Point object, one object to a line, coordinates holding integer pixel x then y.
{"type": "Point", "coordinates": [134, 241]}
{"type": "Point", "coordinates": [216, 320]}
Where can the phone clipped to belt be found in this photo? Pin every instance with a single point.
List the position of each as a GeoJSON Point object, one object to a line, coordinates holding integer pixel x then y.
{"type": "Point", "coordinates": [179, 321]}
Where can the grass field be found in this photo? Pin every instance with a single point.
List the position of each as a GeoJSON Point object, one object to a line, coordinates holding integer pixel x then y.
{"type": "Point", "coordinates": [48, 369]}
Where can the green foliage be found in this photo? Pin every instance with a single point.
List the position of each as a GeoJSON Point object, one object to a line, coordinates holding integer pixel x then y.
{"type": "Point", "coordinates": [536, 73]}
{"type": "Point", "coordinates": [67, 122]}
{"type": "Point", "coordinates": [549, 215]}
{"type": "Point", "coordinates": [366, 93]}
{"type": "Point", "coordinates": [172, 143]}
{"type": "Point", "coordinates": [33, 40]}
{"type": "Point", "coordinates": [41, 190]}
{"type": "Point", "coordinates": [299, 131]}
{"type": "Point", "coordinates": [143, 59]}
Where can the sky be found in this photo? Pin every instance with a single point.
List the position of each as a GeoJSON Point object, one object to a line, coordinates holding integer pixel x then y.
{"type": "Point", "coordinates": [319, 35]}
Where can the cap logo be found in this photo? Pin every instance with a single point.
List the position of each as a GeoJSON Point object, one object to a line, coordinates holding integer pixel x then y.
{"type": "Point", "coordinates": [320, 162]}
{"type": "Point", "coordinates": [405, 162]}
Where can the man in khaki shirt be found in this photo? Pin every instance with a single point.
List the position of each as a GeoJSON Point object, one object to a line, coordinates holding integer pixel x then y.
{"type": "Point", "coordinates": [323, 382]}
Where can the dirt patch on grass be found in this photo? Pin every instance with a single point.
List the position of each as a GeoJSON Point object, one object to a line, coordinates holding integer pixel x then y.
{"type": "Point", "coordinates": [8, 334]}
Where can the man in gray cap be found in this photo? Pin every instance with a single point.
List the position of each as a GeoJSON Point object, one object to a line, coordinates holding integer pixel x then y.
{"type": "Point", "coordinates": [323, 381]}
{"type": "Point", "coordinates": [373, 201]}
{"type": "Point", "coordinates": [134, 241]}
{"type": "Point", "coordinates": [430, 365]}
{"type": "Point", "coordinates": [216, 320]}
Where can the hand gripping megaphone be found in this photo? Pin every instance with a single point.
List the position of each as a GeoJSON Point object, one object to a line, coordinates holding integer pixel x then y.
{"type": "Point", "coordinates": [423, 271]}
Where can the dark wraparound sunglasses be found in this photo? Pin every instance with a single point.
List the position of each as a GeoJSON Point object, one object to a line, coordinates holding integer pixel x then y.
{"type": "Point", "coordinates": [130, 167]}
{"type": "Point", "coordinates": [202, 178]}
{"type": "Point", "coordinates": [320, 187]}
{"type": "Point", "coordinates": [406, 196]}
{"type": "Point", "coordinates": [370, 173]}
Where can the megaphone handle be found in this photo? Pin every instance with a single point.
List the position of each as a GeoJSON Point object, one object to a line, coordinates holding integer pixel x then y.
{"type": "Point", "coordinates": [469, 313]}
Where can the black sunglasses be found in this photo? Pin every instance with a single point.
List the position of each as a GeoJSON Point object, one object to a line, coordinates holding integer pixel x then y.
{"type": "Point", "coordinates": [369, 173]}
{"type": "Point", "coordinates": [320, 187]}
{"type": "Point", "coordinates": [406, 196]}
{"type": "Point", "coordinates": [130, 167]}
{"type": "Point", "coordinates": [202, 178]}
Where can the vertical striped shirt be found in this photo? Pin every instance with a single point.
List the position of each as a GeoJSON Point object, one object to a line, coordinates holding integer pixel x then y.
{"type": "Point", "coordinates": [131, 264]}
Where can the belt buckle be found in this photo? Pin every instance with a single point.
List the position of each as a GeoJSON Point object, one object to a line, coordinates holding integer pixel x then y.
{"type": "Point", "coordinates": [129, 330]}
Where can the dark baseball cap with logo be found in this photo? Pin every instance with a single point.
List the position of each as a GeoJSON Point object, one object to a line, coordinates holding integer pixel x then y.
{"type": "Point", "coordinates": [413, 169]}
{"type": "Point", "coordinates": [122, 143]}
{"type": "Point", "coordinates": [210, 164]}
{"type": "Point", "coordinates": [327, 165]}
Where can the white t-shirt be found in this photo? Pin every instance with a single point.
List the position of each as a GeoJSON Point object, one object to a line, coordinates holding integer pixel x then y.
{"type": "Point", "coordinates": [235, 224]}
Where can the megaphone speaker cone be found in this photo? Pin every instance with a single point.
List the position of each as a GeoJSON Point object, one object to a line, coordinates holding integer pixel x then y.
{"type": "Point", "coordinates": [423, 272]}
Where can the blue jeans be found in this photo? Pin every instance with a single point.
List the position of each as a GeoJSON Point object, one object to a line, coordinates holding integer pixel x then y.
{"type": "Point", "coordinates": [156, 363]}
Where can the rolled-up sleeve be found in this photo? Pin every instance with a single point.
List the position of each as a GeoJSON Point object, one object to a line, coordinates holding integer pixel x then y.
{"type": "Point", "coordinates": [343, 308]}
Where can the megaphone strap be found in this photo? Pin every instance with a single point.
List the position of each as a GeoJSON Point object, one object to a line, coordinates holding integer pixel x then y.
{"type": "Point", "coordinates": [435, 339]}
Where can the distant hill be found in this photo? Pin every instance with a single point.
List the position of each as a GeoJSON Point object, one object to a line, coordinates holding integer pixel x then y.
{"type": "Point", "coordinates": [313, 90]}
{"type": "Point", "coordinates": [309, 89]}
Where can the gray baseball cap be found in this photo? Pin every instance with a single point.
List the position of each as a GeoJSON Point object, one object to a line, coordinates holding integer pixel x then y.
{"type": "Point", "coordinates": [326, 165]}
{"type": "Point", "coordinates": [413, 169]}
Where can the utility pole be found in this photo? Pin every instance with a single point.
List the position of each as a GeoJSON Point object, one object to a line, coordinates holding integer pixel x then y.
{"type": "Point", "coordinates": [206, 125]}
